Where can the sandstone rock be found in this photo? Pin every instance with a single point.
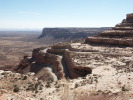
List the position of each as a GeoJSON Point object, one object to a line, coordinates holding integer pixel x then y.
{"type": "Point", "coordinates": [74, 70]}
{"type": "Point", "coordinates": [61, 66]}
{"type": "Point", "coordinates": [129, 17]}
{"type": "Point", "coordinates": [2, 97]}
{"type": "Point", "coordinates": [109, 41]}
{"type": "Point", "coordinates": [120, 35]}
{"type": "Point", "coordinates": [40, 60]}
{"type": "Point", "coordinates": [1, 71]}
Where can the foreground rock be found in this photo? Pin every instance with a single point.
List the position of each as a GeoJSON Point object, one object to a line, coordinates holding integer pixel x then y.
{"type": "Point", "coordinates": [60, 61]}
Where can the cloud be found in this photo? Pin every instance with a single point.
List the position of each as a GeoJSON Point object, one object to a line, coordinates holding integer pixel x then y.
{"type": "Point", "coordinates": [29, 13]}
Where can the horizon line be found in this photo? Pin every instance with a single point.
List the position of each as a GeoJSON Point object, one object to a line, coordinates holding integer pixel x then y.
{"type": "Point", "coordinates": [30, 29]}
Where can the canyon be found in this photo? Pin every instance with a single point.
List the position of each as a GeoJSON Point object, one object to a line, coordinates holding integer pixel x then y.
{"type": "Point", "coordinates": [66, 59]}
{"type": "Point", "coordinates": [96, 67]}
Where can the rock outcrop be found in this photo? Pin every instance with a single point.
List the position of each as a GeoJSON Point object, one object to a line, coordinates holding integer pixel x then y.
{"type": "Point", "coordinates": [58, 58]}
{"type": "Point", "coordinates": [39, 62]}
{"type": "Point", "coordinates": [121, 34]}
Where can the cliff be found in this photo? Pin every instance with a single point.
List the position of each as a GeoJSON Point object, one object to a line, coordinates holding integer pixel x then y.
{"type": "Point", "coordinates": [70, 33]}
{"type": "Point", "coordinates": [120, 35]}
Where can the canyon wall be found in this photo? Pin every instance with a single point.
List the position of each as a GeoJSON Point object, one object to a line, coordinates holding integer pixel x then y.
{"type": "Point", "coordinates": [71, 33]}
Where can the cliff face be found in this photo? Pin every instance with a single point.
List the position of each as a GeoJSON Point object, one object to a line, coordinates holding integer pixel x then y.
{"type": "Point", "coordinates": [121, 34]}
{"type": "Point", "coordinates": [72, 33]}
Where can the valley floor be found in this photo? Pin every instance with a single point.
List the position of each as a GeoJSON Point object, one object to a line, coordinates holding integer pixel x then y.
{"type": "Point", "coordinates": [12, 49]}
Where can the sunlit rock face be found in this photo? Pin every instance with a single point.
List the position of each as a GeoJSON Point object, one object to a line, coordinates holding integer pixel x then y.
{"type": "Point", "coordinates": [121, 34]}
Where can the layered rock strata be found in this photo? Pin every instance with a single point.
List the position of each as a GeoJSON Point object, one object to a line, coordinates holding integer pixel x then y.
{"type": "Point", "coordinates": [121, 34]}
{"type": "Point", "coordinates": [39, 62]}
{"type": "Point", "coordinates": [70, 33]}
{"type": "Point", "coordinates": [59, 58]}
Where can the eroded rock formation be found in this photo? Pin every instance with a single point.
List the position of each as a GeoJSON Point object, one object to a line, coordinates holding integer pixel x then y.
{"type": "Point", "coordinates": [121, 34]}
{"type": "Point", "coordinates": [59, 58]}
{"type": "Point", "coordinates": [41, 60]}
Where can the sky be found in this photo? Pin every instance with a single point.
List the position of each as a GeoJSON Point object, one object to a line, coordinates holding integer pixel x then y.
{"type": "Point", "coordinates": [37, 14]}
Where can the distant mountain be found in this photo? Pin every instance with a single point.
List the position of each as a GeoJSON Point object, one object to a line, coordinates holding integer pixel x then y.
{"type": "Point", "coordinates": [71, 33]}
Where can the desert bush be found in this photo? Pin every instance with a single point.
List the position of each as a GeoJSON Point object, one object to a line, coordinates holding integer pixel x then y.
{"type": "Point", "coordinates": [16, 88]}
{"type": "Point", "coordinates": [31, 87]}
{"type": "Point", "coordinates": [35, 87]}
{"type": "Point", "coordinates": [24, 78]}
{"type": "Point", "coordinates": [48, 85]}
{"type": "Point", "coordinates": [123, 88]}
{"type": "Point", "coordinates": [76, 85]}
{"type": "Point", "coordinates": [5, 74]}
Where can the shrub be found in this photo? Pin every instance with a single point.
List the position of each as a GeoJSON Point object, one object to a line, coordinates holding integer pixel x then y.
{"type": "Point", "coordinates": [48, 85]}
{"type": "Point", "coordinates": [16, 89]}
{"type": "Point", "coordinates": [24, 78]}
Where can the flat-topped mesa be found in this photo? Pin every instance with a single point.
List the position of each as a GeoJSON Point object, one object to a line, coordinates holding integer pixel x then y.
{"type": "Point", "coordinates": [68, 34]}
{"type": "Point", "coordinates": [121, 34]}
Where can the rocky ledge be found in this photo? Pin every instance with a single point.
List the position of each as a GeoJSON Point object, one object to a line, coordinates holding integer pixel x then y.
{"type": "Point", "coordinates": [120, 35]}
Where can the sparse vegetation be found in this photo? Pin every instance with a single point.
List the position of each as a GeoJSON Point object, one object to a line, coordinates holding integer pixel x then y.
{"type": "Point", "coordinates": [24, 78]}
{"type": "Point", "coordinates": [16, 88]}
